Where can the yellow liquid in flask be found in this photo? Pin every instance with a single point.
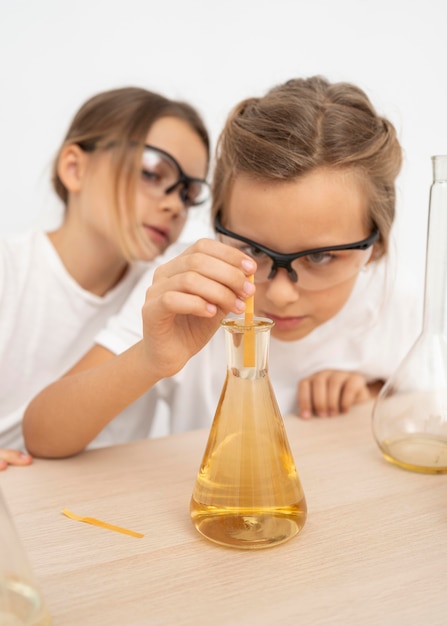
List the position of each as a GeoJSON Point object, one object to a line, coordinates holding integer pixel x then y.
{"type": "Point", "coordinates": [248, 493]}
{"type": "Point", "coordinates": [417, 452]}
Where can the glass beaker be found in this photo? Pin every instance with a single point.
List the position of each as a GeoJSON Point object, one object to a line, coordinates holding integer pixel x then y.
{"type": "Point", "coordinates": [21, 602]}
{"type": "Point", "coordinates": [247, 492]}
{"type": "Point", "coordinates": [410, 413]}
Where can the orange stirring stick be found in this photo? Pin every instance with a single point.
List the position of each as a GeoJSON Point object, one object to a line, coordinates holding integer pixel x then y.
{"type": "Point", "coordinates": [249, 334]}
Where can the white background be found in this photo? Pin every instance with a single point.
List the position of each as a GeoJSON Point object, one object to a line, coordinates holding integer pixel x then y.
{"type": "Point", "coordinates": [55, 54]}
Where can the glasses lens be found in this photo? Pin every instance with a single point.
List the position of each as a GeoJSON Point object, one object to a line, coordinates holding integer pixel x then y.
{"type": "Point", "coordinates": [263, 261]}
{"type": "Point", "coordinates": [159, 171]}
{"type": "Point", "coordinates": [163, 175]}
{"type": "Point", "coordinates": [328, 269]}
{"type": "Point", "coordinates": [196, 191]}
{"type": "Point", "coordinates": [315, 272]}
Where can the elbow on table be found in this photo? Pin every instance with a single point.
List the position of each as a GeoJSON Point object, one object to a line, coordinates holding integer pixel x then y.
{"type": "Point", "coordinates": [44, 441]}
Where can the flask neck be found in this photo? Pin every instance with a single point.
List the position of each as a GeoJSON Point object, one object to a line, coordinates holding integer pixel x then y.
{"type": "Point", "coordinates": [436, 252]}
{"type": "Point", "coordinates": [247, 347]}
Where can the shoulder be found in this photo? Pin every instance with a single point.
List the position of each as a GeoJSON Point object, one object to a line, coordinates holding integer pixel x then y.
{"type": "Point", "coordinates": [25, 245]}
{"type": "Point", "coordinates": [19, 253]}
{"type": "Point", "coordinates": [393, 314]}
{"type": "Point", "coordinates": [380, 293]}
{"type": "Point", "coordinates": [15, 243]}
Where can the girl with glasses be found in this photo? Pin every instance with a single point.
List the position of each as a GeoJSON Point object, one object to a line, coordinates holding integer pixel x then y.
{"type": "Point", "coordinates": [130, 166]}
{"type": "Point", "coordinates": [303, 198]}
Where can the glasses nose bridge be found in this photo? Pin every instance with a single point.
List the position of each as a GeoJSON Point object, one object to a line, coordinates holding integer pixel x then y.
{"type": "Point", "coordinates": [181, 184]}
{"type": "Point", "coordinates": [285, 264]}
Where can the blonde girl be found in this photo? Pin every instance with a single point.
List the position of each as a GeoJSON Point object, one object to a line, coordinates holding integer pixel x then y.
{"type": "Point", "coordinates": [129, 168]}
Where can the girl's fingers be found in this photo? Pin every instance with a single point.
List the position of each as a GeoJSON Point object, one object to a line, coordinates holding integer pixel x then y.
{"type": "Point", "coordinates": [178, 303]}
{"type": "Point", "coordinates": [212, 259]}
{"type": "Point", "coordinates": [320, 395]}
{"type": "Point", "coordinates": [355, 391]}
{"type": "Point", "coordinates": [13, 457]}
{"type": "Point", "coordinates": [209, 290]}
{"type": "Point", "coordinates": [336, 384]}
{"type": "Point", "coordinates": [222, 251]}
{"type": "Point", "coordinates": [331, 392]}
{"type": "Point", "coordinates": [305, 408]}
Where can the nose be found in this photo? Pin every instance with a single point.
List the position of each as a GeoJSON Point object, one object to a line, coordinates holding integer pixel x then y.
{"type": "Point", "coordinates": [281, 290]}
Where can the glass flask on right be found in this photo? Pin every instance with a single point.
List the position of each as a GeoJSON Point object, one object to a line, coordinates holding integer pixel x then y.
{"type": "Point", "coordinates": [410, 413]}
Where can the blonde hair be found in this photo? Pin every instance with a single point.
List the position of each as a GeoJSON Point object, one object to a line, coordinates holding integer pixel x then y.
{"type": "Point", "coordinates": [310, 123]}
{"type": "Point", "coordinates": [120, 119]}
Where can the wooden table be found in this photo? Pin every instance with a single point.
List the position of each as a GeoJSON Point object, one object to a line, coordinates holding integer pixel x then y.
{"type": "Point", "coordinates": [373, 550]}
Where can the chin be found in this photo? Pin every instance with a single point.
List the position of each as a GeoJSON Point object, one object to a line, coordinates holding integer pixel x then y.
{"type": "Point", "coordinates": [290, 335]}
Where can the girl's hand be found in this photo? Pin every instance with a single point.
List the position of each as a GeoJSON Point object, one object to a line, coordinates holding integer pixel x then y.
{"type": "Point", "coordinates": [13, 457]}
{"type": "Point", "coordinates": [331, 392]}
{"type": "Point", "coordinates": [189, 297]}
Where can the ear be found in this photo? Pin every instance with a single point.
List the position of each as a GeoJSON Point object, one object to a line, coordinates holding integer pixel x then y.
{"type": "Point", "coordinates": [376, 254]}
{"type": "Point", "coordinates": [71, 167]}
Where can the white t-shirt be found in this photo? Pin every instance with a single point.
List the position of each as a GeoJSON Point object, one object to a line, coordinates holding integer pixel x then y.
{"type": "Point", "coordinates": [370, 335]}
{"type": "Point", "coordinates": [47, 322]}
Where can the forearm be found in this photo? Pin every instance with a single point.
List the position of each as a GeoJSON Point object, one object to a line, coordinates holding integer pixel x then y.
{"type": "Point", "coordinates": [66, 416]}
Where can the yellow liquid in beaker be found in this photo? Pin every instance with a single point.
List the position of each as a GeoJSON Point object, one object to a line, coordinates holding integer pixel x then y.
{"type": "Point", "coordinates": [247, 493]}
{"type": "Point", "coordinates": [417, 452]}
{"type": "Point", "coordinates": [21, 605]}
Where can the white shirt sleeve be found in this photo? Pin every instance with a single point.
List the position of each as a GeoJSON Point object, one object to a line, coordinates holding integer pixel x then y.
{"type": "Point", "coordinates": [125, 328]}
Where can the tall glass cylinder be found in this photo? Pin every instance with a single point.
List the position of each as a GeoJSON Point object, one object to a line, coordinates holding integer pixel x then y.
{"type": "Point", "coordinates": [248, 493]}
{"type": "Point", "coordinates": [410, 414]}
{"type": "Point", "coordinates": [21, 602]}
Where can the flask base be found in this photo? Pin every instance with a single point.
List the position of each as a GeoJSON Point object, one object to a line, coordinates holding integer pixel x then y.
{"type": "Point", "coordinates": [21, 605]}
{"type": "Point", "coordinates": [248, 529]}
{"type": "Point", "coordinates": [417, 453]}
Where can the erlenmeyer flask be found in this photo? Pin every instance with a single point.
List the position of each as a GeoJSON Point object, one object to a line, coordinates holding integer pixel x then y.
{"type": "Point", "coordinates": [21, 603]}
{"type": "Point", "coordinates": [410, 413]}
{"type": "Point", "coordinates": [248, 493]}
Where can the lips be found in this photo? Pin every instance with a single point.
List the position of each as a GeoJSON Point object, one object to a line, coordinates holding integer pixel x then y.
{"type": "Point", "coordinates": [158, 234]}
{"type": "Point", "coordinates": [285, 323]}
